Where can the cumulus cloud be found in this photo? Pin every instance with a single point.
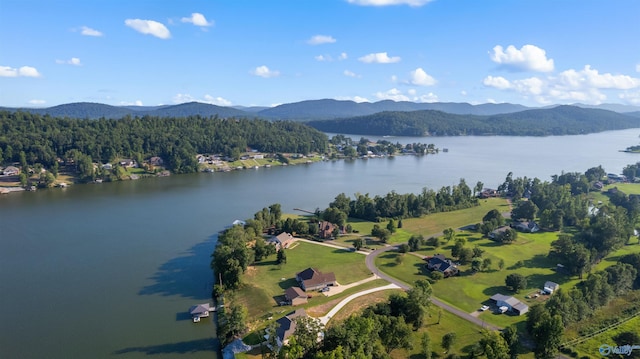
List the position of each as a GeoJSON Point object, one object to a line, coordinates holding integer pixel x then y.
{"type": "Point", "coordinates": [343, 56]}
{"type": "Point", "coordinates": [528, 58]}
{"type": "Point", "coordinates": [632, 98]}
{"type": "Point", "coordinates": [322, 58]}
{"type": "Point", "coordinates": [589, 77]}
{"type": "Point", "coordinates": [24, 71]}
{"type": "Point", "coordinates": [184, 97]}
{"type": "Point", "coordinates": [412, 3]}
{"type": "Point", "coordinates": [72, 61]}
{"type": "Point", "coordinates": [358, 99]}
{"type": "Point", "coordinates": [37, 102]}
{"type": "Point", "coordinates": [351, 74]}
{"type": "Point", "coordinates": [264, 71]}
{"type": "Point", "coordinates": [134, 103]}
{"type": "Point", "coordinates": [411, 95]}
{"type": "Point", "coordinates": [321, 39]}
{"type": "Point", "coordinates": [149, 27]}
{"type": "Point", "coordinates": [379, 58]}
{"type": "Point", "coordinates": [198, 20]}
{"type": "Point", "coordinates": [498, 82]}
{"type": "Point", "coordinates": [87, 31]}
{"type": "Point", "coordinates": [421, 78]}
{"type": "Point", "coordinates": [638, 68]}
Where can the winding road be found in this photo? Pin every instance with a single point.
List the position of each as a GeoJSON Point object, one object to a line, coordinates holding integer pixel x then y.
{"type": "Point", "coordinates": [370, 261]}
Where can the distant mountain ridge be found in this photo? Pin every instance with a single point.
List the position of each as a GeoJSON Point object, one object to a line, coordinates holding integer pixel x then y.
{"type": "Point", "coordinates": [323, 109]}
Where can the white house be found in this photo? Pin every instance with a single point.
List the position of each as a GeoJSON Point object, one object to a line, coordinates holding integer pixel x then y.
{"type": "Point", "coordinates": [511, 303]}
{"type": "Point", "coordinates": [550, 287]}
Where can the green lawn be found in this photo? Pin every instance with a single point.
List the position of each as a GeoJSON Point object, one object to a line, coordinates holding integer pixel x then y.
{"type": "Point", "coordinates": [591, 346]}
{"type": "Point", "coordinates": [266, 281]}
{"type": "Point", "coordinates": [434, 223]}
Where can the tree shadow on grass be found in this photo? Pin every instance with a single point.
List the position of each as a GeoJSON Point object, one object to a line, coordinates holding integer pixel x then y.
{"type": "Point", "coordinates": [188, 275]}
{"type": "Point", "coordinates": [489, 291]}
{"type": "Point", "coordinates": [289, 282]}
{"type": "Point", "coordinates": [186, 347]}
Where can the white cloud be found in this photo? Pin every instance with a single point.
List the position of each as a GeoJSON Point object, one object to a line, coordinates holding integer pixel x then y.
{"type": "Point", "coordinates": [412, 3]}
{"type": "Point", "coordinates": [528, 58]}
{"type": "Point", "coordinates": [394, 78]}
{"type": "Point", "coordinates": [24, 71]}
{"type": "Point", "coordinates": [379, 58]}
{"type": "Point", "coordinates": [72, 61]}
{"type": "Point", "coordinates": [37, 102]}
{"type": "Point", "coordinates": [351, 74]}
{"type": "Point", "coordinates": [149, 27]}
{"type": "Point", "coordinates": [219, 101]}
{"type": "Point", "coordinates": [329, 58]}
{"type": "Point", "coordinates": [412, 95]}
{"type": "Point", "coordinates": [321, 39]}
{"type": "Point", "coordinates": [197, 19]}
{"type": "Point", "coordinates": [322, 58]}
{"type": "Point", "coordinates": [343, 56]}
{"type": "Point", "coordinates": [632, 98]}
{"type": "Point", "coordinates": [498, 82]}
{"type": "Point", "coordinates": [637, 67]}
{"type": "Point", "coordinates": [589, 77]}
{"type": "Point", "coordinates": [463, 93]}
{"type": "Point", "coordinates": [264, 71]}
{"type": "Point", "coordinates": [421, 78]}
{"type": "Point", "coordinates": [358, 99]}
{"type": "Point", "coordinates": [134, 103]}
{"type": "Point", "coordinates": [87, 31]}
{"type": "Point", "coordinates": [182, 98]}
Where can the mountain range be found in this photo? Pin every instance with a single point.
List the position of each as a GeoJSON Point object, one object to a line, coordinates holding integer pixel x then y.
{"type": "Point", "coordinates": [324, 109]}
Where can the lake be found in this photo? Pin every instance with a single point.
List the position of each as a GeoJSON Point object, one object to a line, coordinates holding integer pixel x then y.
{"type": "Point", "coordinates": [110, 270]}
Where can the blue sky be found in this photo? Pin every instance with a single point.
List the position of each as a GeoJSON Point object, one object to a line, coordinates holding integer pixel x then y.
{"type": "Point", "coordinates": [264, 53]}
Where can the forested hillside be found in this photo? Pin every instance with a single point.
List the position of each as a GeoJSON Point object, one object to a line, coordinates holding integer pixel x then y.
{"type": "Point", "coordinates": [42, 139]}
{"type": "Point", "coordinates": [561, 120]}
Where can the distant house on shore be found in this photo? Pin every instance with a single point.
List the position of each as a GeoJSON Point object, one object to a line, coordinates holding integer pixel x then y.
{"type": "Point", "coordinates": [498, 232]}
{"type": "Point", "coordinates": [287, 326]}
{"type": "Point", "coordinates": [313, 279]}
{"type": "Point", "coordinates": [200, 311]}
{"type": "Point", "coordinates": [295, 296]}
{"type": "Point", "coordinates": [511, 303]}
{"type": "Point", "coordinates": [325, 229]}
{"type": "Point", "coordinates": [156, 161]}
{"type": "Point", "coordinates": [128, 163]}
{"type": "Point", "coordinates": [441, 264]}
{"type": "Point", "coordinates": [11, 171]}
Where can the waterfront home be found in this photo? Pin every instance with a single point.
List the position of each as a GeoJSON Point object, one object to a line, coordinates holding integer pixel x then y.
{"type": "Point", "coordinates": [11, 171]}
{"type": "Point", "coordinates": [282, 240]}
{"type": "Point", "coordinates": [313, 279]}
{"type": "Point", "coordinates": [156, 161]}
{"type": "Point", "coordinates": [325, 229]}
{"type": "Point", "coordinates": [287, 326]}
{"type": "Point", "coordinates": [511, 303]}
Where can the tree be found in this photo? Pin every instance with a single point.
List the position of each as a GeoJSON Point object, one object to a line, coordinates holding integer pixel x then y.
{"type": "Point", "coordinates": [436, 275]}
{"type": "Point", "coordinates": [547, 335]}
{"type": "Point", "coordinates": [516, 281]}
{"type": "Point", "coordinates": [358, 243]}
{"type": "Point", "coordinates": [414, 242]}
{"type": "Point", "coordinates": [494, 346]}
{"type": "Point", "coordinates": [510, 335]}
{"type": "Point", "coordinates": [449, 234]}
{"type": "Point", "coordinates": [465, 256]}
{"type": "Point", "coordinates": [476, 264]}
{"type": "Point", "coordinates": [448, 340]}
{"type": "Point", "coordinates": [306, 334]}
{"type": "Point", "coordinates": [628, 338]}
{"type": "Point", "coordinates": [395, 333]}
{"type": "Point", "coordinates": [524, 210]}
{"type": "Point", "coordinates": [391, 226]}
{"type": "Point", "coordinates": [477, 251]}
{"type": "Point", "coordinates": [434, 242]}
{"type": "Point", "coordinates": [425, 345]}
{"type": "Point", "coordinates": [282, 256]}
{"type": "Point", "coordinates": [404, 248]}
{"type": "Point", "coordinates": [494, 216]}
{"type": "Point", "coordinates": [400, 223]}
{"type": "Point", "coordinates": [478, 188]}
{"type": "Point", "coordinates": [486, 264]}
{"type": "Point", "coordinates": [501, 264]}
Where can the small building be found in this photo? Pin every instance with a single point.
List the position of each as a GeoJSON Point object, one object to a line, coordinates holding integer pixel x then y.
{"type": "Point", "coordinates": [200, 311]}
{"type": "Point", "coordinates": [325, 229]}
{"type": "Point", "coordinates": [313, 279]}
{"type": "Point", "coordinates": [156, 161]}
{"type": "Point", "coordinates": [550, 287]}
{"type": "Point", "coordinates": [295, 296]}
{"type": "Point", "coordinates": [107, 166]}
{"type": "Point", "coordinates": [498, 232]}
{"type": "Point", "coordinates": [282, 240]}
{"type": "Point", "coordinates": [441, 264]}
{"type": "Point", "coordinates": [525, 226]}
{"type": "Point", "coordinates": [11, 171]}
{"type": "Point", "coordinates": [511, 303]}
{"type": "Point", "coordinates": [128, 163]}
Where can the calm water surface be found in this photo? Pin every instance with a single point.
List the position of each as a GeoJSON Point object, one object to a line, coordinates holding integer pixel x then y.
{"type": "Point", "coordinates": [110, 270]}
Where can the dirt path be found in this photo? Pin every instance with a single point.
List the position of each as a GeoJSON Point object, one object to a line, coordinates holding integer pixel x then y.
{"type": "Point", "coordinates": [325, 319]}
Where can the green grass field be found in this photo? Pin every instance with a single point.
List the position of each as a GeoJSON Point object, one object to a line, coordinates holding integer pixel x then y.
{"type": "Point", "coordinates": [265, 282]}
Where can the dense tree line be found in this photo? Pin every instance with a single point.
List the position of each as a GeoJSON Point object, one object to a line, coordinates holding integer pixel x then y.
{"type": "Point", "coordinates": [557, 121]}
{"type": "Point", "coordinates": [394, 205]}
{"type": "Point", "coordinates": [43, 139]}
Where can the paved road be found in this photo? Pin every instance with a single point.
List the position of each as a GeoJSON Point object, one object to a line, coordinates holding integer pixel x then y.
{"type": "Point", "coordinates": [370, 261]}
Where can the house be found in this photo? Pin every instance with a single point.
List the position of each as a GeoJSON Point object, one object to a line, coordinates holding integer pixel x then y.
{"type": "Point", "coordinates": [238, 222]}
{"type": "Point", "coordinates": [128, 163]}
{"type": "Point", "coordinates": [313, 279]}
{"type": "Point", "coordinates": [525, 226]}
{"type": "Point", "coordinates": [498, 232]}
{"type": "Point", "coordinates": [199, 311]}
{"type": "Point", "coordinates": [295, 296]}
{"type": "Point", "coordinates": [440, 263]}
{"type": "Point", "coordinates": [11, 171]}
{"type": "Point", "coordinates": [325, 229]}
{"type": "Point", "coordinates": [287, 326]}
{"type": "Point", "coordinates": [511, 303]}
{"type": "Point", "coordinates": [107, 166]}
{"type": "Point", "coordinates": [488, 192]}
{"type": "Point", "coordinates": [550, 287]}
{"type": "Point", "coordinates": [156, 161]}
{"type": "Point", "coordinates": [282, 240]}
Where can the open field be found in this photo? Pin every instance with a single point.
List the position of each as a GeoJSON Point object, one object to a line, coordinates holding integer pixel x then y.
{"type": "Point", "coordinates": [266, 281]}
{"type": "Point", "coordinates": [590, 347]}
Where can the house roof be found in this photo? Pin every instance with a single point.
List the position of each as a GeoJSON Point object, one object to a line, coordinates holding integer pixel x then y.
{"type": "Point", "coordinates": [551, 285]}
{"type": "Point", "coordinates": [295, 292]}
{"type": "Point", "coordinates": [284, 237]}
{"type": "Point", "coordinates": [288, 324]}
{"type": "Point", "coordinates": [512, 301]}
{"type": "Point", "coordinates": [199, 309]}
{"type": "Point", "coordinates": [312, 277]}
{"type": "Point", "coordinates": [440, 263]}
